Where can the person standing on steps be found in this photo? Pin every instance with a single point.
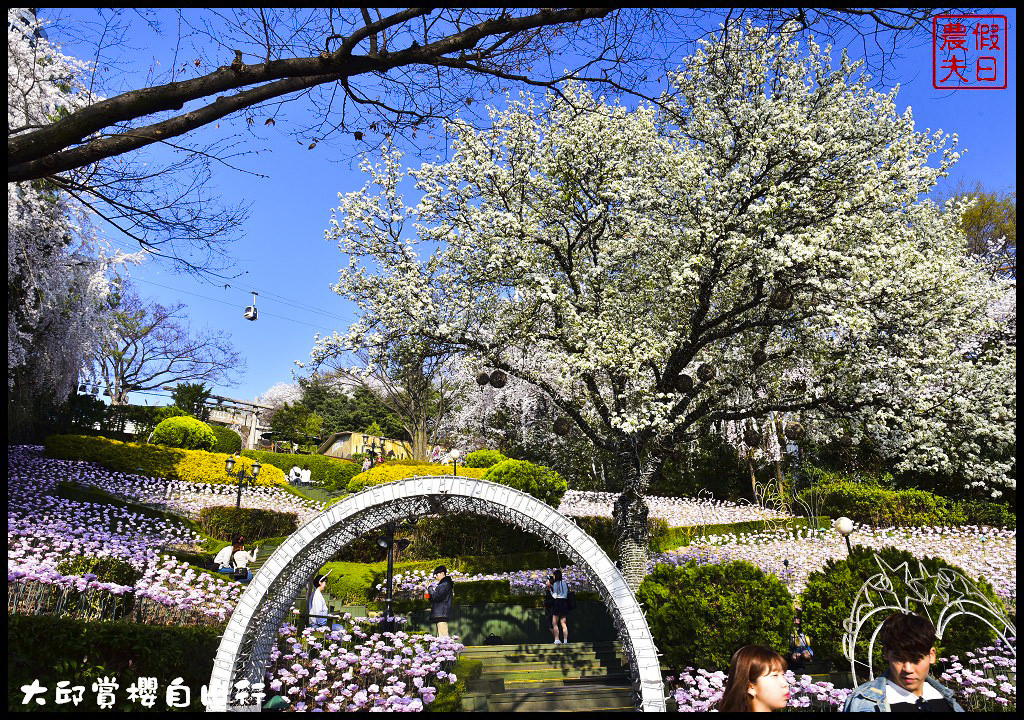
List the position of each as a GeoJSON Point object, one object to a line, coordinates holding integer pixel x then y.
{"type": "Point", "coordinates": [560, 609]}
{"type": "Point", "coordinates": [442, 597]}
{"type": "Point", "coordinates": [549, 606]}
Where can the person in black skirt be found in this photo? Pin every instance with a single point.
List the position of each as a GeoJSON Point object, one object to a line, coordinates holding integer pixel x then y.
{"type": "Point", "coordinates": [560, 609]}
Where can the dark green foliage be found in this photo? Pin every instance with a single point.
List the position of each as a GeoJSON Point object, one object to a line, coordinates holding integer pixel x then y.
{"type": "Point", "coordinates": [700, 614]}
{"type": "Point", "coordinates": [343, 413]}
{"type": "Point", "coordinates": [449, 697]}
{"type": "Point", "coordinates": [483, 458]}
{"type": "Point", "coordinates": [228, 441]}
{"type": "Point", "coordinates": [191, 398]}
{"type": "Point", "coordinates": [828, 600]}
{"type": "Point", "coordinates": [228, 523]}
{"type": "Point", "coordinates": [536, 480]}
{"type": "Point", "coordinates": [710, 463]}
{"type": "Point", "coordinates": [331, 473]}
{"type": "Point", "coordinates": [982, 512]}
{"type": "Point", "coordinates": [53, 649]}
{"type": "Point", "coordinates": [106, 569]}
{"type": "Point", "coordinates": [186, 433]}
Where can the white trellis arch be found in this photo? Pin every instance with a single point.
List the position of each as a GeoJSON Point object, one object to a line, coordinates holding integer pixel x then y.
{"type": "Point", "coordinates": [252, 630]}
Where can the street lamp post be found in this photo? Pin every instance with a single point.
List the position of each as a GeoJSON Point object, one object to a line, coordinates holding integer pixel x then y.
{"type": "Point", "coordinates": [388, 541]}
{"type": "Point", "coordinates": [229, 465]}
{"type": "Point", "coordinates": [845, 526]}
{"type": "Point", "coordinates": [372, 447]}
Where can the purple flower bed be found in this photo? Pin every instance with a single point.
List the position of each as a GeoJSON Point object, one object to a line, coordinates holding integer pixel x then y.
{"type": "Point", "coordinates": [43, 529]}
{"type": "Point", "coordinates": [700, 690]}
{"type": "Point", "coordinates": [352, 670]}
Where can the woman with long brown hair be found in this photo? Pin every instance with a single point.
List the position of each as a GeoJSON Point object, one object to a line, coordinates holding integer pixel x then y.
{"type": "Point", "coordinates": [757, 681]}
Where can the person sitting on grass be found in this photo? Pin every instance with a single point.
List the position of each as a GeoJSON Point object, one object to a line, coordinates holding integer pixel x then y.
{"type": "Point", "coordinates": [222, 561]}
{"type": "Point", "coordinates": [240, 560]}
{"type": "Point", "coordinates": [908, 645]}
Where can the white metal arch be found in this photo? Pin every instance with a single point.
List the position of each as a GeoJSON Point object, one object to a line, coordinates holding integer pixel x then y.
{"type": "Point", "coordinates": [252, 630]}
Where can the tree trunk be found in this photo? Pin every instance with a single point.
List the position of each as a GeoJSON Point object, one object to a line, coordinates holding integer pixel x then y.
{"type": "Point", "coordinates": [630, 514]}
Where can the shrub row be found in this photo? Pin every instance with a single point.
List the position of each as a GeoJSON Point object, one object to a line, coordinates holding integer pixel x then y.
{"type": "Point", "coordinates": [699, 614]}
{"type": "Point", "coordinates": [228, 523]}
{"type": "Point", "coordinates": [51, 649]}
{"type": "Point", "coordinates": [392, 472]}
{"type": "Point", "coordinates": [154, 460]}
{"type": "Point", "coordinates": [882, 507]}
{"type": "Point", "coordinates": [484, 458]}
{"type": "Point", "coordinates": [332, 473]}
{"type": "Point", "coordinates": [542, 483]}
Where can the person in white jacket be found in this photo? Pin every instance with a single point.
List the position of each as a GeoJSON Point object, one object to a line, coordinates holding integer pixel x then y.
{"type": "Point", "coordinates": [241, 559]}
{"type": "Point", "coordinates": [223, 559]}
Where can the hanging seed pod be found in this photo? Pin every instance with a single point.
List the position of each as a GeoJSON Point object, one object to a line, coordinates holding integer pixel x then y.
{"type": "Point", "coordinates": [706, 371]}
{"type": "Point", "coordinates": [562, 427]}
{"type": "Point", "coordinates": [498, 379]}
{"type": "Point", "coordinates": [794, 431]}
{"type": "Point", "coordinates": [684, 383]}
{"type": "Point", "coordinates": [781, 300]}
{"type": "Point", "coordinates": [482, 378]}
{"type": "Point", "coordinates": [845, 441]}
{"type": "Point", "coordinates": [760, 357]}
{"type": "Point", "coordinates": [798, 386]}
{"type": "Point", "coordinates": [751, 437]}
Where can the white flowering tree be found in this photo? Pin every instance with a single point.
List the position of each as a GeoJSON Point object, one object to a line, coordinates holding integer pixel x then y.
{"type": "Point", "coordinates": [762, 247]}
{"type": "Point", "coordinates": [56, 269]}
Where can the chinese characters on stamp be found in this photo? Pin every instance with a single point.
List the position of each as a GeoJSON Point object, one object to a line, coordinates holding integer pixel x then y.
{"type": "Point", "coordinates": [969, 52]}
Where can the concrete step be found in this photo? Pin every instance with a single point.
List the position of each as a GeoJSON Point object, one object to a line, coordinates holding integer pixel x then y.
{"type": "Point", "coordinates": [575, 698]}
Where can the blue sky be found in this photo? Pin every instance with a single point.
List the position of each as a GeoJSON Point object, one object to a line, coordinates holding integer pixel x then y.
{"type": "Point", "coordinates": [285, 258]}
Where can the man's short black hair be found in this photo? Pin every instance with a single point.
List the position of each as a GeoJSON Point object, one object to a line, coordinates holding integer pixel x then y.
{"type": "Point", "coordinates": [907, 637]}
{"type": "Point", "coordinates": [441, 569]}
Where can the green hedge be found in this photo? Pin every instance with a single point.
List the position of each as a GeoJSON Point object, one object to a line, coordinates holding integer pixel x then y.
{"type": "Point", "coordinates": [675, 537]}
{"type": "Point", "coordinates": [873, 504]}
{"type": "Point", "coordinates": [227, 523]}
{"type": "Point", "coordinates": [542, 483]}
{"type": "Point", "coordinates": [52, 649]}
{"type": "Point", "coordinates": [700, 614]}
{"type": "Point", "coordinates": [483, 458]}
{"type": "Point", "coordinates": [154, 460]}
{"type": "Point", "coordinates": [228, 441]}
{"type": "Point", "coordinates": [332, 473]}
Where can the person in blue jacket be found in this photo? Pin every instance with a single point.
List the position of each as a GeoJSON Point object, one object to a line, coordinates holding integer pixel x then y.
{"type": "Point", "coordinates": [908, 645]}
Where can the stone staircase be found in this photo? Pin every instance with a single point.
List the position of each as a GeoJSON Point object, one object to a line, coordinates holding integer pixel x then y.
{"type": "Point", "coordinates": [576, 677]}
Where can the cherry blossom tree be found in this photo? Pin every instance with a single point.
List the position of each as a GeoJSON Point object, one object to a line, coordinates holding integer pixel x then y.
{"type": "Point", "coordinates": [758, 245]}
{"type": "Point", "coordinates": [57, 309]}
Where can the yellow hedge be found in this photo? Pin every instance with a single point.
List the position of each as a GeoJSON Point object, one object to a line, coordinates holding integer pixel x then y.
{"type": "Point", "coordinates": [383, 474]}
{"type": "Point", "coordinates": [156, 460]}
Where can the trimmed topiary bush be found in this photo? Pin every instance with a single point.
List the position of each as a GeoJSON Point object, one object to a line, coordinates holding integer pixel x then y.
{"type": "Point", "coordinates": [228, 441]}
{"type": "Point", "coordinates": [544, 484]}
{"type": "Point", "coordinates": [484, 458]}
{"type": "Point", "coordinates": [828, 600]}
{"type": "Point", "coordinates": [185, 432]}
{"type": "Point", "coordinates": [228, 523]}
{"type": "Point", "coordinates": [700, 614]}
{"type": "Point", "coordinates": [106, 569]}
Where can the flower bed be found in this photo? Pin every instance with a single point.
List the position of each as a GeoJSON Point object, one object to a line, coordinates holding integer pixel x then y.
{"type": "Point", "coordinates": [43, 529]}
{"type": "Point", "coordinates": [352, 670]}
{"type": "Point", "coordinates": [677, 512]}
{"type": "Point", "coordinates": [701, 690]}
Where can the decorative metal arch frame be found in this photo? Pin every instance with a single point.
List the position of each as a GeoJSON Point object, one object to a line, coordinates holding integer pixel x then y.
{"type": "Point", "coordinates": [954, 595]}
{"type": "Point", "coordinates": [252, 630]}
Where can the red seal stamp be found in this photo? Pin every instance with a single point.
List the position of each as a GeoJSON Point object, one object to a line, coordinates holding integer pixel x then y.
{"type": "Point", "coordinates": [969, 52]}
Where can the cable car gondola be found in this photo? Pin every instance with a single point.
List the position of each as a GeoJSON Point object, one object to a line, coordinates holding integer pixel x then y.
{"type": "Point", "coordinates": [250, 312]}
